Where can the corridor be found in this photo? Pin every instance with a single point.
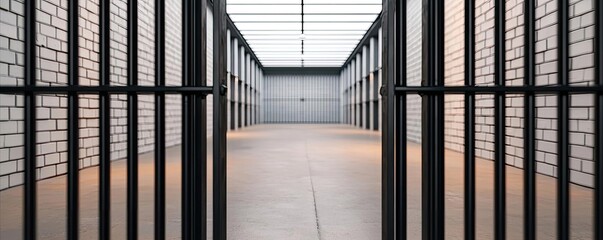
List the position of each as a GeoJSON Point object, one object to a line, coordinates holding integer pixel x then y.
{"type": "Point", "coordinates": [297, 182]}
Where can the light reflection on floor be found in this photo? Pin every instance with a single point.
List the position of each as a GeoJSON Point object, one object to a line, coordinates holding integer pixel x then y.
{"type": "Point", "coordinates": [299, 182]}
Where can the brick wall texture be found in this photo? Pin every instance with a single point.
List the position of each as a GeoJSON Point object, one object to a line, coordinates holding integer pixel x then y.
{"type": "Point", "coordinates": [581, 73]}
{"type": "Point", "coordinates": [581, 53]}
{"type": "Point", "coordinates": [52, 71]}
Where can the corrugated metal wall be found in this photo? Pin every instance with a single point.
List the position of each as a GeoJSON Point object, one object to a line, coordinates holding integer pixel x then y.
{"type": "Point", "coordinates": [301, 96]}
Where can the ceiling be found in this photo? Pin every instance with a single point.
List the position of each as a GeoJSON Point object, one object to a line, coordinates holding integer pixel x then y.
{"type": "Point", "coordinates": [303, 33]}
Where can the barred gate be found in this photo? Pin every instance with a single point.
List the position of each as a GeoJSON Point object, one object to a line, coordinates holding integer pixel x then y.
{"type": "Point", "coordinates": [194, 91]}
{"type": "Point", "coordinates": [433, 91]}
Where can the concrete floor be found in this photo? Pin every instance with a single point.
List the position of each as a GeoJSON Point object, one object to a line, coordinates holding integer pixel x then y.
{"type": "Point", "coordinates": [299, 182]}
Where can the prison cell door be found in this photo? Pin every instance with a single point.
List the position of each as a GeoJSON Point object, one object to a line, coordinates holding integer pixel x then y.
{"type": "Point", "coordinates": [194, 92]}
{"type": "Point", "coordinates": [432, 91]}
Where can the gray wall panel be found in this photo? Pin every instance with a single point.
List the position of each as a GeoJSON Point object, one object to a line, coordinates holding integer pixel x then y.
{"type": "Point", "coordinates": [301, 97]}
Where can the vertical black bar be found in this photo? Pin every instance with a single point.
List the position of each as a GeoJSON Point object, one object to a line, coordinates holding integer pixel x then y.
{"type": "Point", "coordinates": [29, 149]}
{"type": "Point", "coordinates": [469, 120]}
{"type": "Point", "coordinates": [433, 121]}
{"type": "Point", "coordinates": [529, 125]}
{"type": "Point", "coordinates": [72, 122]}
{"type": "Point", "coordinates": [219, 122]}
{"type": "Point", "coordinates": [598, 219]}
{"type": "Point", "coordinates": [105, 123]}
{"type": "Point", "coordinates": [500, 208]}
{"type": "Point", "coordinates": [199, 122]}
{"type": "Point", "coordinates": [159, 120]}
{"type": "Point", "coordinates": [387, 137]}
{"type": "Point", "coordinates": [186, 121]}
{"type": "Point", "coordinates": [132, 125]}
{"type": "Point", "coordinates": [563, 190]}
{"type": "Point", "coordinates": [400, 137]}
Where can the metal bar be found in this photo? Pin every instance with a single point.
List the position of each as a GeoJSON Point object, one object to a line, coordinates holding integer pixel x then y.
{"type": "Point", "coordinates": [104, 202]}
{"type": "Point", "coordinates": [72, 122]}
{"type": "Point", "coordinates": [160, 166]}
{"type": "Point", "coordinates": [469, 120]}
{"type": "Point", "coordinates": [387, 136]}
{"type": "Point", "coordinates": [29, 148]}
{"type": "Point", "coordinates": [219, 122]}
{"type": "Point", "coordinates": [187, 100]}
{"type": "Point", "coordinates": [529, 124]}
{"type": "Point", "coordinates": [598, 209]}
{"type": "Point", "coordinates": [500, 209]}
{"type": "Point", "coordinates": [191, 90]}
{"type": "Point", "coordinates": [132, 123]}
{"type": "Point", "coordinates": [433, 121]}
{"type": "Point", "coordinates": [400, 124]}
{"type": "Point", "coordinates": [186, 167]}
{"type": "Point", "coordinates": [199, 122]}
{"type": "Point", "coordinates": [494, 89]}
{"type": "Point", "coordinates": [563, 181]}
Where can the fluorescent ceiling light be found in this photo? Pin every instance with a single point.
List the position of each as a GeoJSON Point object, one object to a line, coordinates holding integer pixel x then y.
{"type": "Point", "coordinates": [329, 29]}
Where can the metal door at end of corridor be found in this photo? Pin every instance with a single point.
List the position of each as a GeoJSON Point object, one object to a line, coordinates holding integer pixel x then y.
{"type": "Point", "coordinates": [308, 95]}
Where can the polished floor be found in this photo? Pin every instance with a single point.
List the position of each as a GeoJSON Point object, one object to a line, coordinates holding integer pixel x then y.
{"type": "Point", "coordinates": [299, 182]}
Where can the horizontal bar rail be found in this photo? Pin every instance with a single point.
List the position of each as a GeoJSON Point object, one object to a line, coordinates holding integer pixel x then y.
{"type": "Point", "coordinates": [496, 89]}
{"type": "Point", "coordinates": [194, 90]}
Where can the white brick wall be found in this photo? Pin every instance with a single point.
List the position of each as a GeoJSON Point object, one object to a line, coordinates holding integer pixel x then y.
{"type": "Point", "coordinates": [52, 109]}
{"type": "Point", "coordinates": [52, 64]}
{"type": "Point", "coordinates": [413, 59]}
{"type": "Point", "coordinates": [582, 73]}
{"type": "Point", "coordinates": [454, 54]}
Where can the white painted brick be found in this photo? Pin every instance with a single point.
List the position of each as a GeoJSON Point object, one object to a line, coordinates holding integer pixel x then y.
{"type": "Point", "coordinates": [7, 100]}
{"type": "Point", "coordinates": [580, 48]}
{"type": "Point", "coordinates": [4, 182]}
{"type": "Point", "coordinates": [545, 169]}
{"type": "Point", "coordinates": [581, 178]}
{"type": "Point", "coordinates": [581, 152]}
{"type": "Point", "coordinates": [47, 148]}
{"type": "Point", "coordinates": [4, 154]}
{"type": "Point", "coordinates": [46, 172]}
{"type": "Point", "coordinates": [9, 127]}
{"type": "Point", "coordinates": [46, 125]}
{"type": "Point", "coordinates": [15, 179]}
{"type": "Point", "coordinates": [13, 140]}
{"type": "Point", "coordinates": [582, 7]}
{"type": "Point", "coordinates": [61, 168]}
{"type": "Point", "coordinates": [8, 167]}
{"type": "Point", "coordinates": [582, 61]}
{"type": "Point", "coordinates": [16, 153]}
{"type": "Point", "coordinates": [582, 100]}
{"type": "Point", "coordinates": [52, 159]}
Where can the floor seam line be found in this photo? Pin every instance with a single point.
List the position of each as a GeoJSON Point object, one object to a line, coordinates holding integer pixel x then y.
{"type": "Point", "coordinates": [313, 193]}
